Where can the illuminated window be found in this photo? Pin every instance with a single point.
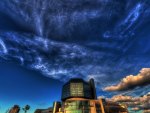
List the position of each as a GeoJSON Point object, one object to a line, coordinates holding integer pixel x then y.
{"type": "Point", "coordinates": [76, 89]}
{"type": "Point", "coordinates": [77, 107]}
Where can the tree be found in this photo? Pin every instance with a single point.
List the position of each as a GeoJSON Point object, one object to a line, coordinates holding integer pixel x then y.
{"type": "Point", "coordinates": [26, 108]}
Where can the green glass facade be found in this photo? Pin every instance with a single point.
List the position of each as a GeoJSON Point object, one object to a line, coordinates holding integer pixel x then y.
{"type": "Point", "coordinates": [77, 107]}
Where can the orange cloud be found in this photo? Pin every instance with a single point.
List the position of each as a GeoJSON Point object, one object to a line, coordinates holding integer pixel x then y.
{"type": "Point", "coordinates": [146, 111]}
{"type": "Point", "coordinates": [132, 81]}
{"type": "Point", "coordinates": [121, 98]}
{"type": "Point", "coordinates": [136, 103]}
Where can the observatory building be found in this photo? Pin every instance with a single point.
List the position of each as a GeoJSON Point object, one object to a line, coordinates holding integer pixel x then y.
{"type": "Point", "coordinates": [78, 88]}
{"type": "Point", "coordinates": [79, 96]}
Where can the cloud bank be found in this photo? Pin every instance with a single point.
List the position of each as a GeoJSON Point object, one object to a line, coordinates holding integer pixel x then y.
{"type": "Point", "coordinates": [135, 103]}
{"type": "Point", "coordinates": [132, 81]}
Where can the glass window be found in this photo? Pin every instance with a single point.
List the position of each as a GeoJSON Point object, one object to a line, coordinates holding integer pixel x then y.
{"type": "Point", "coordinates": [77, 107]}
{"type": "Point", "coordinates": [74, 111]}
{"type": "Point", "coordinates": [76, 89]}
{"type": "Point", "coordinates": [87, 91]}
{"type": "Point", "coordinates": [66, 91]}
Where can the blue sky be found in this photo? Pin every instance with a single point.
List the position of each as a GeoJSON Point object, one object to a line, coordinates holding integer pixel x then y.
{"type": "Point", "coordinates": [45, 43]}
{"type": "Point", "coordinates": [21, 86]}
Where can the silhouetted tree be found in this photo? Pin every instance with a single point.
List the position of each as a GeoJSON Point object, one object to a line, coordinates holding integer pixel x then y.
{"type": "Point", "coordinates": [26, 108]}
